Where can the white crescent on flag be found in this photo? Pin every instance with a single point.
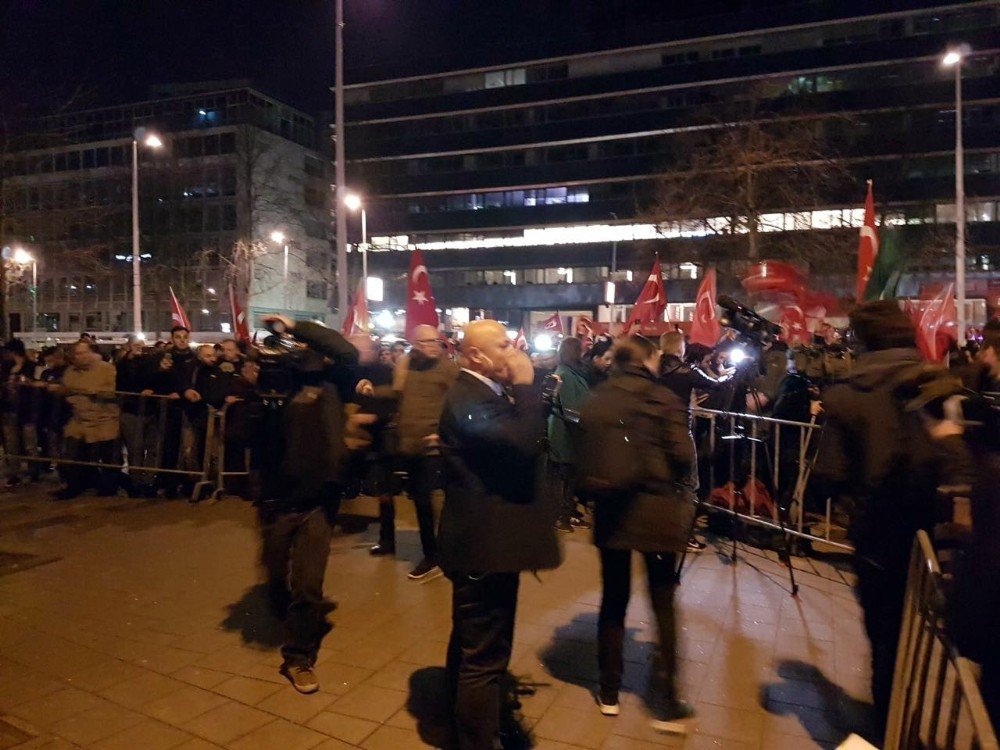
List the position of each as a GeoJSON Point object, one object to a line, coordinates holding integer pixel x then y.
{"type": "Point", "coordinates": [419, 270]}
{"type": "Point", "coordinates": [869, 232]}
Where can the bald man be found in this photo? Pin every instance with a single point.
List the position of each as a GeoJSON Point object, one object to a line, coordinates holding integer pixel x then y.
{"type": "Point", "coordinates": [420, 381]}
{"type": "Point", "coordinates": [494, 523]}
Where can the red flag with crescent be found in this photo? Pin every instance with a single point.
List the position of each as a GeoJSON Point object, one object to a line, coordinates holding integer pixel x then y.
{"type": "Point", "coordinates": [357, 320]}
{"type": "Point", "coordinates": [652, 300]}
{"type": "Point", "coordinates": [552, 323]}
{"type": "Point", "coordinates": [705, 327]}
{"type": "Point", "coordinates": [936, 325]}
{"type": "Point", "coordinates": [421, 308]}
{"type": "Point", "coordinates": [241, 329]}
{"type": "Point", "coordinates": [867, 246]}
{"type": "Point", "coordinates": [177, 315]}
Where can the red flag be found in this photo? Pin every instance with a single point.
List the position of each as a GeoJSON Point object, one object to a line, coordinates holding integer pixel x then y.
{"type": "Point", "coordinates": [553, 323]}
{"type": "Point", "coordinates": [652, 301]}
{"type": "Point", "coordinates": [867, 246]}
{"type": "Point", "coordinates": [241, 330]}
{"type": "Point", "coordinates": [521, 342]}
{"type": "Point", "coordinates": [793, 324]}
{"type": "Point", "coordinates": [177, 315]}
{"type": "Point", "coordinates": [774, 277]}
{"type": "Point", "coordinates": [937, 324]}
{"type": "Point", "coordinates": [421, 309]}
{"type": "Point", "coordinates": [705, 327]}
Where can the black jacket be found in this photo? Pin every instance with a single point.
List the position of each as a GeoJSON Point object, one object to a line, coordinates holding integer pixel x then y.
{"type": "Point", "coordinates": [872, 451]}
{"type": "Point", "coordinates": [682, 378]}
{"type": "Point", "coordinates": [303, 440]}
{"type": "Point", "coordinates": [657, 517]}
{"type": "Point", "coordinates": [495, 518]}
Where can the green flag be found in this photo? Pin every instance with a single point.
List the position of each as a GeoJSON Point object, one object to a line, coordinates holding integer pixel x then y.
{"type": "Point", "coordinates": [889, 265]}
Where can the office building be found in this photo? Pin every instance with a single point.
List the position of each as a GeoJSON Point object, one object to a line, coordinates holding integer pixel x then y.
{"type": "Point", "coordinates": [237, 169]}
{"type": "Point", "coordinates": [524, 181]}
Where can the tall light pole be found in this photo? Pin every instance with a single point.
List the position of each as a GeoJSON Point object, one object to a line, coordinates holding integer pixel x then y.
{"type": "Point", "coordinates": [953, 59]}
{"type": "Point", "coordinates": [338, 155]}
{"type": "Point", "coordinates": [22, 257]}
{"type": "Point", "coordinates": [279, 238]}
{"type": "Point", "coordinates": [149, 140]}
{"type": "Point", "coordinates": [353, 202]}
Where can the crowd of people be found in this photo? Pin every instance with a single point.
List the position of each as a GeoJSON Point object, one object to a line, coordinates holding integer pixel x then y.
{"type": "Point", "coordinates": [601, 435]}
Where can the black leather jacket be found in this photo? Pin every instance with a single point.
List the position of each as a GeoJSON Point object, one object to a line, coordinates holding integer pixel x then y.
{"type": "Point", "coordinates": [682, 378]}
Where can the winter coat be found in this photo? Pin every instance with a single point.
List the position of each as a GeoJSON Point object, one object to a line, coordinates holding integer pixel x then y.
{"type": "Point", "coordinates": [885, 461]}
{"type": "Point", "coordinates": [495, 517]}
{"type": "Point", "coordinates": [658, 516]}
{"type": "Point", "coordinates": [572, 393]}
{"type": "Point", "coordinates": [422, 384]}
{"type": "Point", "coordinates": [91, 394]}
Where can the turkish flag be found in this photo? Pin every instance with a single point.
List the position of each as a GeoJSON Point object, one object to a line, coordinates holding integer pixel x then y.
{"type": "Point", "coordinates": [421, 308]}
{"type": "Point", "coordinates": [705, 327]}
{"type": "Point", "coordinates": [585, 327]}
{"type": "Point", "coordinates": [553, 323]}
{"type": "Point", "coordinates": [521, 342]}
{"type": "Point", "coordinates": [793, 324]}
{"type": "Point", "coordinates": [652, 300]}
{"type": "Point", "coordinates": [177, 315]}
{"type": "Point", "coordinates": [241, 330]}
{"type": "Point", "coordinates": [867, 246]}
{"type": "Point", "coordinates": [774, 277]}
{"type": "Point", "coordinates": [357, 320]}
{"type": "Point", "coordinates": [937, 325]}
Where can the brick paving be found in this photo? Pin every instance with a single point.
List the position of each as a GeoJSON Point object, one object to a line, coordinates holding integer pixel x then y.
{"type": "Point", "coordinates": [139, 625]}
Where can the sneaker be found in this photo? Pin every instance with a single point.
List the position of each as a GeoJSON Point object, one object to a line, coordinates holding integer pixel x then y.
{"type": "Point", "coordinates": [302, 677]}
{"type": "Point", "coordinates": [672, 720]}
{"type": "Point", "coordinates": [565, 526]}
{"type": "Point", "coordinates": [425, 571]}
{"type": "Point", "coordinates": [694, 546]}
{"type": "Point", "coordinates": [579, 522]}
{"type": "Point", "coordinates": [382, 549]}
{"type": "Point", "coordinates": [607, 703]}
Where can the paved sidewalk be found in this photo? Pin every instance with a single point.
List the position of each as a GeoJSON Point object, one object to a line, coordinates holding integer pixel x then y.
{"type": "Point", "coordinates": [138, 626]}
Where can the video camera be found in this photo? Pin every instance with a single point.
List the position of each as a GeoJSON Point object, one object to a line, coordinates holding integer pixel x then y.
{"type": "Point", "coordinates": [751, 327]}
{"type": "Point", "coordinates": [284, 362]}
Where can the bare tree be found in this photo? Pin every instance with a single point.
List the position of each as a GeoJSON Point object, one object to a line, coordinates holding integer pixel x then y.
{"type": "Point", "coordinates": [739, 167]}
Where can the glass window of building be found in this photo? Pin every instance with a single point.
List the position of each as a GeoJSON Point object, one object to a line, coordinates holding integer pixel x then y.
{"type": "Point", "coordinates": [499, 78]}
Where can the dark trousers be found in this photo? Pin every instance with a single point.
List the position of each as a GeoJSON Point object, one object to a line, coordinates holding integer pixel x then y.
{"type": "Point", "coordinates": [423, 476]}
{"type": "Point", "coordinates": [79, 478]}
{"type": "Point", "coordinates": [881, 590]}
{"type": "Point", "coordinates": [482, 635]}
{"type": "Point", "coordinates": [561, 476]}
{"type": "Point", "coordinates": [616, 579]}
{"type": "Point", "coordinates": [296, 546]}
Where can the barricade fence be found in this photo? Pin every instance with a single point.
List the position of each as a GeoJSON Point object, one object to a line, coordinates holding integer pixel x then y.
{"type": "Point", "coordinates": [935, 700]}
{"type": "Point", "coordinates": [154, 441]}
{"type": "Point", "coordinates": [757, 470]}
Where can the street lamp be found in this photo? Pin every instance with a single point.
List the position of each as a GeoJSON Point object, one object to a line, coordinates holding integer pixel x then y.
{"type": "Point", "coordinates": [149, 140]}
{"type": "Point", "coordinates": [22, 257]}
{"type": "Point", "coordinates": [953, 59]}
{"type": "Point", "coordinates": [353, 203]}
{"type": "Point", "coordinates": [279, 239]}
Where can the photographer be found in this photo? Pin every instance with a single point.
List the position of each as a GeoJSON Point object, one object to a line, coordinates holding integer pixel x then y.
{"type": "Point", "coordinates": [301, 460]}
{"type": "Point", "coordinates": [494, 523]}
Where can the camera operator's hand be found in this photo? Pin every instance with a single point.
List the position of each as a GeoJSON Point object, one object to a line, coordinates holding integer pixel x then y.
{"type": "Point", "coordinates": [287, 322]}
{"type": "Point", "coordinates": [520, 369]}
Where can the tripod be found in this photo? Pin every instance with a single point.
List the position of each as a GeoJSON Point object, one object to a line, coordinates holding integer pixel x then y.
{"type": "Point", "coordinates": [737, 436]}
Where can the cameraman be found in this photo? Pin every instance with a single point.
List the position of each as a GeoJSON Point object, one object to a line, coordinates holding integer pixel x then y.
{"type": "Point", "coordinates": [302, 462]}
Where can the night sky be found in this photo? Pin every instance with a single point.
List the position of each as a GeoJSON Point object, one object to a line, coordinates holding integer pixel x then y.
{"type": "Point", "coordinates": [112, 50]}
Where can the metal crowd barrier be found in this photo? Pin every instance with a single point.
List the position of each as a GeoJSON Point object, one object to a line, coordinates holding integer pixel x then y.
{"type": "Point", "coordinates": [156, 437]}
{"type": "Point", "coordinates": [775, 455]}
{"type": "Point", "coordinates": [935, 700]}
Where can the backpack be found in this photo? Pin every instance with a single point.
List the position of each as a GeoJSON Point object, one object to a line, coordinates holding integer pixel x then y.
{"type": "Point", "coordinates": [612, 461]}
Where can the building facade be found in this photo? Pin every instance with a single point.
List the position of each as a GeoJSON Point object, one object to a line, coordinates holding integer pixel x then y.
{"type": "Point", "coordinates": [237, 194]}
{"type": "Point", "coordinates": [530, 182]}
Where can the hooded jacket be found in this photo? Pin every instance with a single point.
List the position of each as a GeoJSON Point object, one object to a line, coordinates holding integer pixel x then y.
{"type": "Point", "coordinates": [885, 460]}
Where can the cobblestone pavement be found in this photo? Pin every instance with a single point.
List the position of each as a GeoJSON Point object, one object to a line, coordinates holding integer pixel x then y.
{"type": "Point", "coordinates": [138, 625]}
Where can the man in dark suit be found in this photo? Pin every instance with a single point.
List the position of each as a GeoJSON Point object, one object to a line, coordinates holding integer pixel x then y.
{"type": "Point", "coordinates": [494, 522]}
